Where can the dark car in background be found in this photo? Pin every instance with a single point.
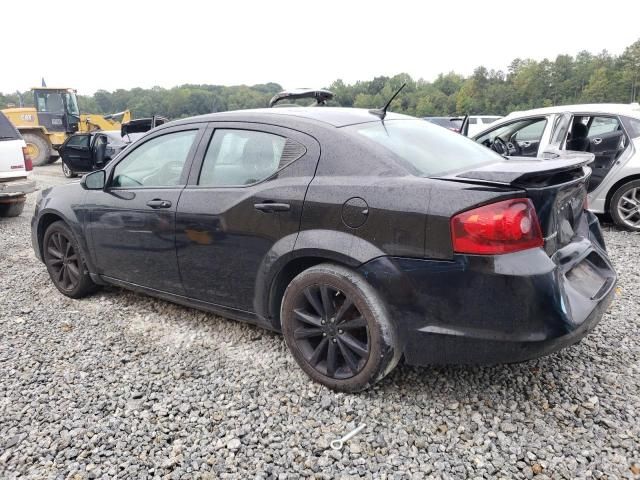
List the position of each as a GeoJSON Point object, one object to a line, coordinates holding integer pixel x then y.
{"type": "Point", "coordinates": [364, 237]}
{"type": "Point", "coordinates": [85, 152]}
{"type": "Point", "coordinates": [452, 123]}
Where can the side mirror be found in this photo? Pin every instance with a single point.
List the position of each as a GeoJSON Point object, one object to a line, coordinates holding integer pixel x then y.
{"type": "Point", "coordinates": [94, 180]}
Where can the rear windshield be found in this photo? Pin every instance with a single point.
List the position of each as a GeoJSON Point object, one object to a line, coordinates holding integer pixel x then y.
{"type": "Point", "coordinates": [7, 130]}
{"type": "Point", "coordinates": [429, 149]}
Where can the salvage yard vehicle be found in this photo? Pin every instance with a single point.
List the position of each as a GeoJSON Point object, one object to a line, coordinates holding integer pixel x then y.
{"type": "Point", "coordinates": [85, 152]}
{"type": "Point", "coordinates": [611, 132]}
{"type": "Point", "coordinates": [15, 165]}
{"type": "Point", "coordinates": [451, 123]}
{"type": "Point", "coordinates": [363, 236]}
{"type": "Point", "coordinates": [56, 116]}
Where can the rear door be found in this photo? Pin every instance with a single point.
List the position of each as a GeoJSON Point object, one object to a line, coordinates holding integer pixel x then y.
{"type": "Point", "coordinates": [243, 200]}
{"type": "Point", "coordinates": [607, 141]}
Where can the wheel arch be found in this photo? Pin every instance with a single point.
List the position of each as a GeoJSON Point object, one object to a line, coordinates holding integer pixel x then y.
{"type": "Point", "coordinates": [614, 188]}
{"type": "Point", "coordinates": [312, 247]}
{"type": "Point", "coordinates": [49, 217]}
{"type": "Point", "coordinates": [37, 131]}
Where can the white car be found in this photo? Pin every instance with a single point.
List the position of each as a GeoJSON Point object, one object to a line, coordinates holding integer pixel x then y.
{"type": "Point", "coordinates": [611, 132]}
{"type": "Point", "coordinates": [15, 166]}
{"type": "Point", "coordinates": [478, 123]}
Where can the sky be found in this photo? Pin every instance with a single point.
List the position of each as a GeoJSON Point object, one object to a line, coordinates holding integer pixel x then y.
{"type": "Point", "coordinates": [91, 45]}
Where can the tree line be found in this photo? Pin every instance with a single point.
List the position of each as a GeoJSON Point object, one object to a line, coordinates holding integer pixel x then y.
{"type": "Point", "coordinates": [527, 83]}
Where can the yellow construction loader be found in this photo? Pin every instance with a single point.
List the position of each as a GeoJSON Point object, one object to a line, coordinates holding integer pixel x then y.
{"type": "Point", "coordinates": [56, 116]}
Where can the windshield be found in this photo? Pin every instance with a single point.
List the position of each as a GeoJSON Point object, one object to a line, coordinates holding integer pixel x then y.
{"type": "Point", "coordinates": [72, 103]}
{"type": "Point", "coordinates": [429, 149]}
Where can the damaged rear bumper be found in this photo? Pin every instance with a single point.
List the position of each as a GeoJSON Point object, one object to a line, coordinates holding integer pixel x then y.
{"type": "Point", "coordinates": [495, 309]}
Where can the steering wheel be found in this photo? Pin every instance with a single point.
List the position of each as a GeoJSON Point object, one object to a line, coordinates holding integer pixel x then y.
{"type": "Point", "coordinates": [498, 145]}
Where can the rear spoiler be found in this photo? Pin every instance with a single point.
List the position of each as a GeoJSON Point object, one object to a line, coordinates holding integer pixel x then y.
{"type": "Point", "coordinates": [517, 170]}
{"type": "Point", "coordinates": [141, 125]}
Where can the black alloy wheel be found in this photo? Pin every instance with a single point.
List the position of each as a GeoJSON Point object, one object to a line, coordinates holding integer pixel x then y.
{"type": "Point", "coordinates": [64, 262]}
{"type": "Point", "coordinates": [330, 332]}
{"type": "Point", "coordinates": [337, 328]}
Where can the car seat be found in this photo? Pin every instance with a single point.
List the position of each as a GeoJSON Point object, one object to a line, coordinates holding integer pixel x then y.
{"type": "Point", "coordinates": [579, 141]}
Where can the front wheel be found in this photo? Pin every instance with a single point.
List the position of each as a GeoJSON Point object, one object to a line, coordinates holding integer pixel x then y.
{"type": "Point", "coordinates": [338, 329]}
{"type": "Point", "coordinates": [625, 206]}
{"type": "Point", "coordinates": [65, 263]}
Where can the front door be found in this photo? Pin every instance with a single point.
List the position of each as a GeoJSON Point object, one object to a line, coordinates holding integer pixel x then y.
{"type": "Point", "coordinates": [132, 223]}
{"type": "Point", "coordinates": [243, 201]}
{"type": "Point", "coordinates": [76, 152]}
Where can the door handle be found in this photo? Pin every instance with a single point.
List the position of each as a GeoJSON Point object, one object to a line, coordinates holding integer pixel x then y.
{"type": "Point", "coordinates": [158, 203]}
{"type": "Point", "coordinates": [270, 207]}
{"type": "Point", "coordinates": [525, 144]}
{"type": "Point", "coordinates": [597, 141]}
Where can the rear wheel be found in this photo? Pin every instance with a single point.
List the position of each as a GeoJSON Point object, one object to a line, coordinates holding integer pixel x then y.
{"type": "Point", "coordinates": [12, 209]}
{"type": "Point", "coordinates": [65, 263]}
{"type": "Point", "coordinates": [67, 171]}
{"type": "Point", "coordinates": [338, 329]}
{"type": "Point", "coordinates": [38, 148]}
{"type": "Point", "coordinates": [625, 206]}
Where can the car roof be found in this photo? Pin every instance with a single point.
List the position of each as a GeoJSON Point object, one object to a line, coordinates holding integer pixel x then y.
{"type": "Point", "coordinates": [629, 109]}
{"type": "Point", "coordinates": [335, 116]}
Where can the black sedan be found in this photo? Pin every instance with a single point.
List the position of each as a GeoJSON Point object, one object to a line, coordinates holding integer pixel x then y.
{"type": "Point", "coordinates": [364, 239]}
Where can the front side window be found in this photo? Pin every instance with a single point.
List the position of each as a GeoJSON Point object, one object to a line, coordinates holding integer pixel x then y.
{"type": "Point", "coordinates": [245, 157]}
{"type": "Point", "coordinates": [78, 141]}
{"type": "Point", "coordinates": [156, 163]}
{"type": "Point", "coordinates": [429, 149]}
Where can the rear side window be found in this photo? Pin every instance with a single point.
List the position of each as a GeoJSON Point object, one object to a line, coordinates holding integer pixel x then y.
{"type": "Point", "coordinates": [429, 149]}
{"type": "Point", "coordinates": [633, 126]}
{"type": "Point", "coordinates": [603, 125]}
{"type": "Point", "coordinates": [245, 157]}
{"type": "Point", "coordinates": [7, 130]}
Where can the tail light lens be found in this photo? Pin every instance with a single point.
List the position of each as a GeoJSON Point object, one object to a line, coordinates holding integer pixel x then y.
{"type": "Point", "coordinates": [502, 227]}
{"type": "Point", "coordinates": [28, 161]}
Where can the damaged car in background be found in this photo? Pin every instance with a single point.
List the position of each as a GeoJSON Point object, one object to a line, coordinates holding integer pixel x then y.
{"type": "Point", "coordinates": [85, 152]}
{"type": "Point", "coordinates": [608, 133]}
{"type": "Point", "coordinates": [364, 236]}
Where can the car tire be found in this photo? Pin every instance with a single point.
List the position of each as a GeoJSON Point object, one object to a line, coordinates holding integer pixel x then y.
{"type": "Point", "coordinates": [11, 209]}
{"type": "Point", "coordinates": [338, 328]}
{"type": "Point", "coordinates": [67, 172]}
{"type": "Point", "coordinates": [40, 148]}
{"type": "Point", "coordinates": [65, 262]}
{"type": "Point", "coordinates": [622, 204]}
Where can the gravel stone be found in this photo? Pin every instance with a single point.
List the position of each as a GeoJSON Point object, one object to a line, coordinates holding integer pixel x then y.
{"type": "Point", "coordinates": [119, 385]}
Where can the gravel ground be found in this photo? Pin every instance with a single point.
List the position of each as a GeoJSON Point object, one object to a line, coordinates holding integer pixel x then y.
{"type": "Point", "coordinates": [122, 385]}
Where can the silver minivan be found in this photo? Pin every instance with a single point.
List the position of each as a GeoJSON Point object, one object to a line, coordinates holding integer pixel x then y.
{"type": "Point", "coordinates": [611, 132]}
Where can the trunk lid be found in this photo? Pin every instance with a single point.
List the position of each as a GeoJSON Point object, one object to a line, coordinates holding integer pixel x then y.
{"type": "Point", "coordinates": [557, 188]}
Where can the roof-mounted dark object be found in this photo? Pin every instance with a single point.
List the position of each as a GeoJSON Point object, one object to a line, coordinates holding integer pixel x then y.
{"type": "Point", "coordinates": [141, 125]}
{"type": "Point", "coordinates": [320, 96]}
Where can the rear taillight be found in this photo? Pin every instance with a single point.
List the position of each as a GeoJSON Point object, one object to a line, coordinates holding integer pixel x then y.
{"type": "Point", "coordinates": [28, 161]}
{"type": "Point", "coordinates": [502, 227]}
